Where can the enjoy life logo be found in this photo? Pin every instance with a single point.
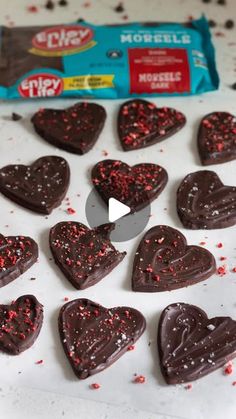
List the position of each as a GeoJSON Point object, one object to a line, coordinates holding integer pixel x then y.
{"type": "Point", "coordinates": [62, 40]}
{"type": "Point", "coordinates": [41, 85]}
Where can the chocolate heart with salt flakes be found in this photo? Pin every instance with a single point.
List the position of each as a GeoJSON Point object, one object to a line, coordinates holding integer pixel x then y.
{"type": "Point", "coordinates": [17, 255]}
{"type": "Point", "coordinates": [135, 186]}
{"type": "Point", "coordinates": [191, 345]}
{"type": "Point", "coordinates": [204, 202]}
{"type": "Point", "coordinates": [217, 138]}
{"type": "Point", "coordinates": [84, 255]}
{"type": "Point", "coordinates": [75, 129]}
{"type": "Point", "coordinates": [94, 337]}
{"type": "Point", "coordinates": [141, 124]}
{"type": "Point", "coordinates": [164, 262]}
{"type": "Point", "coordinates": [20, 324]}
{"type": "Point", "coordinates": [39, 187]}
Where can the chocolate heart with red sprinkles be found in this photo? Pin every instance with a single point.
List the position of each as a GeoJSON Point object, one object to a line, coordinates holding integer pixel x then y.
{"type": "Point", "coordinates": [94, 337]}
{"type": "Point", "coordinates": [203, 201]}
{"type": "Point", "coordinates": [134, 186]}
{"type": "Point", "coordinates": [20, 324]}
{"type": "Point", "coordinates": [164, 262]}
{"type": "Point", "coordinates": [191, 345]}
{"type": "Point", "coordinates": [17, 255]}
{"type": "Point", "coordinates": [217, 138]}
{"type": "Point", "coordinates": [84, 255]}
{"type": "Point", "coordinates": [75, 129]}
{"type": "Point", "coordinates": [39, 187]}
{"type": "Point", "coordinates": [141, 124]}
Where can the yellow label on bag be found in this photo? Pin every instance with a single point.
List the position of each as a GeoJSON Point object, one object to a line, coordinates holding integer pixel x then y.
{"type": "Point", "coordinates": [99, 81]}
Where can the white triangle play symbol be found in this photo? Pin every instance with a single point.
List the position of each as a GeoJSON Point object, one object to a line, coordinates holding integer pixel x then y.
{"type": "Point", "coordinates": [116, 210]}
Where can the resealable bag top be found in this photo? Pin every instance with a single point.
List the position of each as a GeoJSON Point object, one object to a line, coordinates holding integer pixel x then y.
{"type": "Point", "coordinates": [108, 61]}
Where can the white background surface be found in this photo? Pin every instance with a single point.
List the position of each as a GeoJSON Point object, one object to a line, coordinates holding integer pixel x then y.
{"type": "Point", "coordinates": [51, 390]}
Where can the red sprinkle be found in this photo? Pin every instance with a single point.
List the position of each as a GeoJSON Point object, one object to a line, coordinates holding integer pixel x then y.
{"type": "Point", "coordinates": [70, 211]}
{"type": "Point", "coordinates": [234, 383]}
{"type": "Point", "coordinates": [140, 379]}
{"type": "Point", "coordinates": [66, 299]}
{"type": "Point", "coordinates": [95, 386]}
{"type": "Point", "coordinates": [219, 245]}
{"type": "Point", "coordinates": [39, 362]}
{"type": "Point", "coordinates": [202, 243]}
{"type": "Point", "coordinates": [234, 269]}
{"type": "Point", "coordinates": [223, 258]}
{"type": "Point", "coordinates": [188, 387]}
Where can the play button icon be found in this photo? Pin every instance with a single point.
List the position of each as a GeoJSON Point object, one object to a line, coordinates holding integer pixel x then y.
{"type": "Point", "coordinates": [127, 224]}
{"type": "Point", "coordinates": [117, 210]}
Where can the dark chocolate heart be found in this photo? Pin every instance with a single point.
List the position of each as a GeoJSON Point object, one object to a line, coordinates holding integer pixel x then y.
{"type": "Point", "coordinates": [204, 202]}
{"type": "Point", "coordinates": [85, 256]}
{"type": "Point", "coordinates": [17, 255]}
{"type": "Point", "coordinates": [93, 337]}
{"type": "Point", "coordinates": [141, 124]}
{"type": "Point", "coordinates": [217, 138]}
{"type": "Point", "coordinates": [134, 186]}
{"type": "Point", "coordinates": [164, 261]}
{"type": "Point", "coordinates": [75, 129]}
{"type": "Point", "coordinates": [191, 345]}
{"type": "Point", "coordinates": [20, 324]}
{"type": "Point", "coordinates": [39, 187]}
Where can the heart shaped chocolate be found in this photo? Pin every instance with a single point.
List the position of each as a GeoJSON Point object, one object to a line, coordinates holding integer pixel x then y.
{"type": "Point", "coordinates": [191, 345]}
{"type": "Point", "coordinates": [164, 261]}
{"type": "Point", "coordinates": [75, 129]}
{"type": "Point", "coordinates": [17, 255]}
{"type": "Point", "coordinates": [84, 255]}
{"type": "Point", "coordinates": [204, 202]}
{"type": "Point", "coordinates": [134, 186]}
{"type": "Point", "coordinates": [217, 138]}
{"type": "Point", "coordinates": [39, 187]}
{"type": "Point", "coordinates": [141, 124]}
{"type": "Point", "coordinates": [93, 337]}
{"type": "Point", "coordinates": [20, 324]}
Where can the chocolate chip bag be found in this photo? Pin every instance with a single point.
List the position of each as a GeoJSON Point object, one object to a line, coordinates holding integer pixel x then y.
{"type": "Point", "coordinates": [84, 60]}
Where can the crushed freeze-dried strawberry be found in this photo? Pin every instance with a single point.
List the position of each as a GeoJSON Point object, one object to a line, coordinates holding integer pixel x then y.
{"type": "Point", "coordinates": [95, 386]}
{"type": "Point", "coordinates": [228, 369]}
{"type": "Point", "coordinates": [221, 270]}
{"type": "Point", "coordinates": [130, 348]}
{"type": "Point", "coordinates": [32, 9]}
{"type": "Point", "coordinates": [39, 362]}
{"type": "Point", "coordinates": [140, 379]}
{"type": "Point", "coordinates": [70, 211]}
